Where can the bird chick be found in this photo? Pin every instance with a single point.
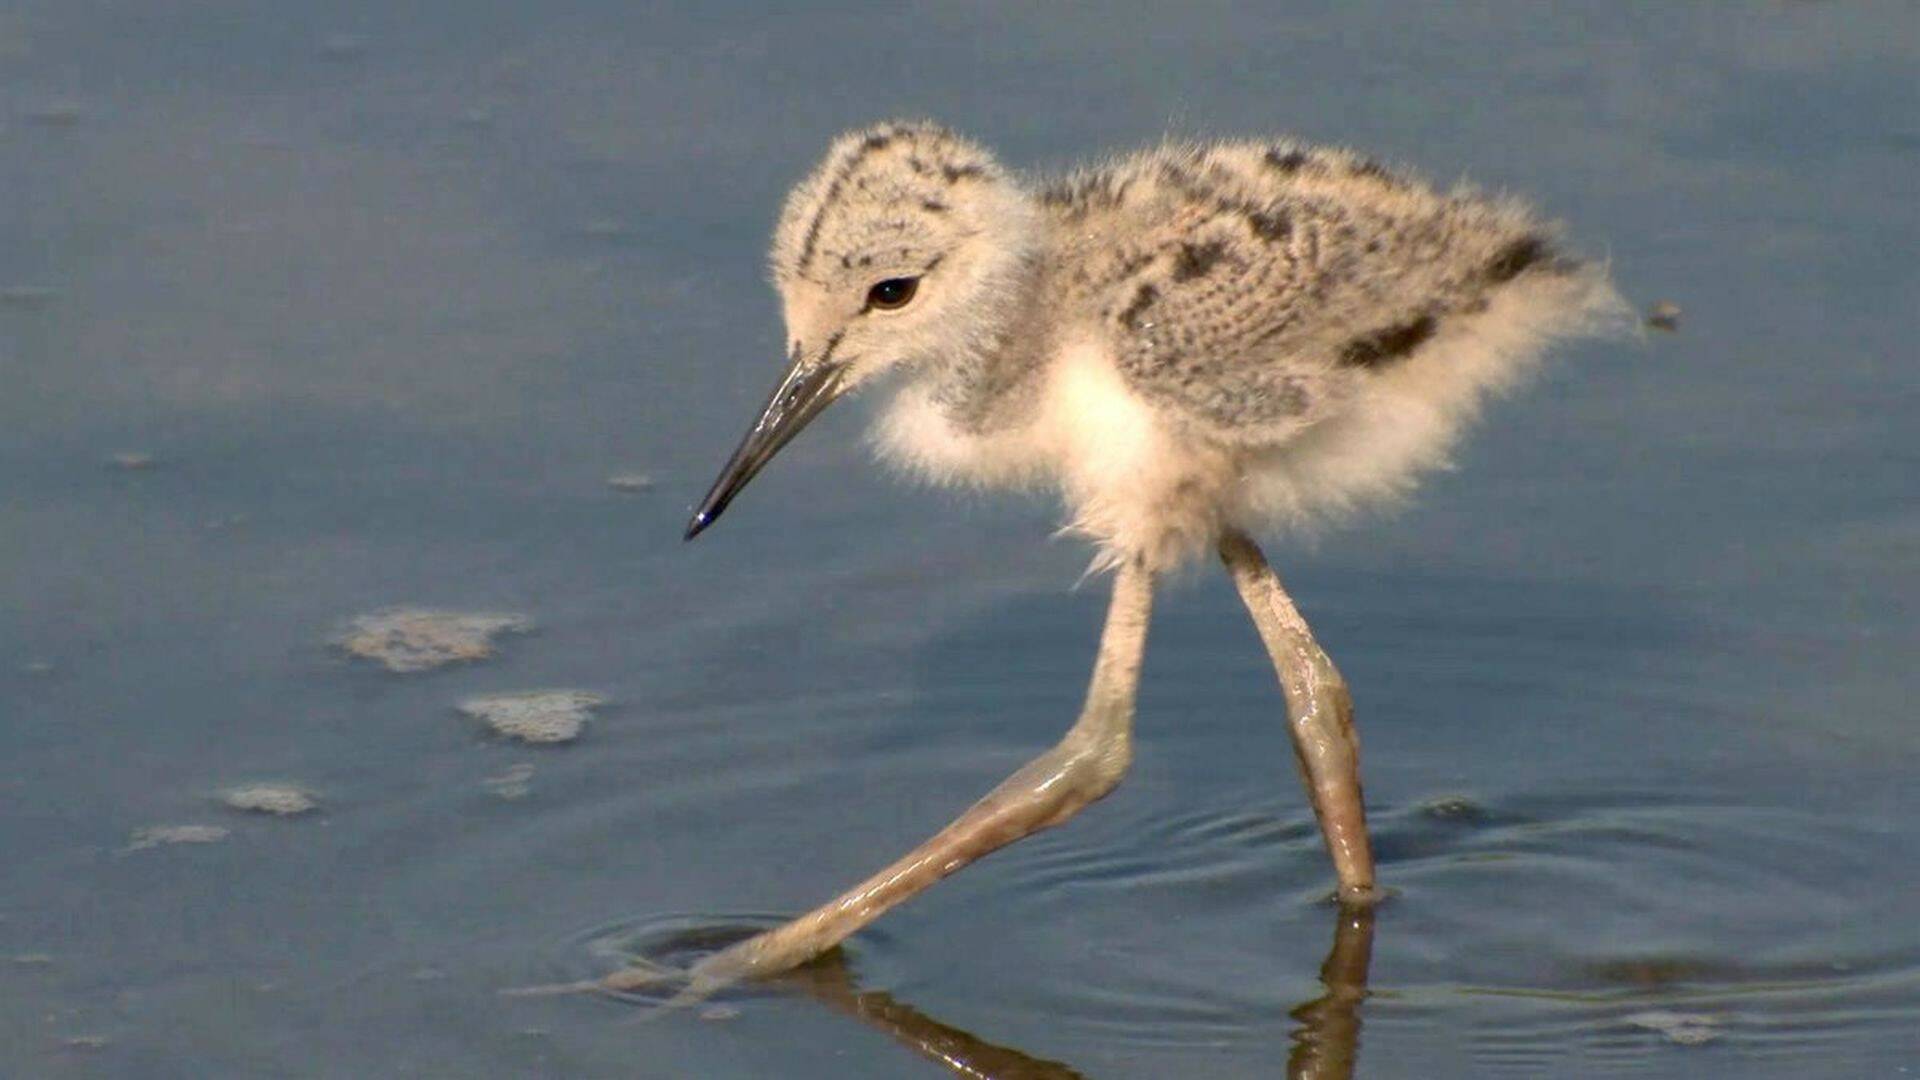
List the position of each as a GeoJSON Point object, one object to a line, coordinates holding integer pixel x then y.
{"type": "Point", "coordinates": [1191, 344]}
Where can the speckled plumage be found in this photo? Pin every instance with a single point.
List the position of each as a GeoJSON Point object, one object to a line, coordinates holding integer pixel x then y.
{"type": "Point", "coordinates": [1194, 337]}
{"type": "Point", "coordinates": [1252, 288]}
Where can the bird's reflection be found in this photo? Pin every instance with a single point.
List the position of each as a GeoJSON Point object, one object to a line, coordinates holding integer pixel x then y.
{"type": "Point", "coordinates": [829, 981]}
{"type": "Point", "coordinates": [1326, 1033]}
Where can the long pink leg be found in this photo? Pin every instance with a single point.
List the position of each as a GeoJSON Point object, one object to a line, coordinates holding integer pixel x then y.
{"type": "Point", "coordinates": [1085, 765]}
{"type": "Point", "coordinates": [1319, 715]}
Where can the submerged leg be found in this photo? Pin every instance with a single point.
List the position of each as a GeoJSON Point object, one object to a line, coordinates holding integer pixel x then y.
{"type": "Point", "coordinates": [1051, 788]}
{"type": "Point", "coordinates": [1319, 714]}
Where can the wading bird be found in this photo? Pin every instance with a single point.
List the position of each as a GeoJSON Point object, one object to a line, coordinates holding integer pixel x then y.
{"type": "Point", "coordinates": [1190, 344]}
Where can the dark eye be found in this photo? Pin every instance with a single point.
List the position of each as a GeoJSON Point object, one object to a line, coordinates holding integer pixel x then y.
{"type": "Point", "coordinates": [892, 294]}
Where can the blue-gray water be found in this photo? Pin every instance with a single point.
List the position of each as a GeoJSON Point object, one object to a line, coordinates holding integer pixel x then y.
{"type": "Point", "coordinates": [387, 295]}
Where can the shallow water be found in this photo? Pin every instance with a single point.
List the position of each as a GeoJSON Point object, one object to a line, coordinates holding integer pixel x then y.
{"type": "Point", "coordinates": [313, 313]}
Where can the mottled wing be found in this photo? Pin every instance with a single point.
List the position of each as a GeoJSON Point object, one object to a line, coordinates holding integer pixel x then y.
{"type": "Point", "coordinates": [1253, 289]}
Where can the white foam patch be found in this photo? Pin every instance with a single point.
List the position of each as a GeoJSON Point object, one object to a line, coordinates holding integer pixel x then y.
{"type": "Point", "coordinates": [154, 836]}
{"type": "Point", "coordinates": [536, 716]}
{"type": "Point", "coordinates": [409, 639]}
{"type": "Point", "coordinates": [279, 800]}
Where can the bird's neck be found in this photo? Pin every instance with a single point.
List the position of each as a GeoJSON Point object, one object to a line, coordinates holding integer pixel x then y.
{"type": "Point", "coordinates": [987, 384]}
{"type": "Point", "coordinates": [967, 414]}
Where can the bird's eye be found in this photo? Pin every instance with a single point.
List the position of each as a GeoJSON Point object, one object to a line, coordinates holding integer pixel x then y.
{"type": "Point", "coordinates": [892, 294]}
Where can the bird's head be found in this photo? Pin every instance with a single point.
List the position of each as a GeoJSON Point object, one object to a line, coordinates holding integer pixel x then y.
{"type": "Point", "coordinates": [907, 248]}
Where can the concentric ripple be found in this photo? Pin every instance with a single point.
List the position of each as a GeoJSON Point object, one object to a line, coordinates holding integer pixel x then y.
{"type": "Point", "coordinates": [670, 945]}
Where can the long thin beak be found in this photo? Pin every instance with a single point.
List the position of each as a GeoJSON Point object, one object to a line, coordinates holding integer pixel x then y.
{"type": "Point", "coordinates": [808, 387]}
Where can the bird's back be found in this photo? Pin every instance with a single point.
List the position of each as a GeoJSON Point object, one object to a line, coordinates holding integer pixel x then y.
{"type": "Point", "coordinates": [1256, 289]}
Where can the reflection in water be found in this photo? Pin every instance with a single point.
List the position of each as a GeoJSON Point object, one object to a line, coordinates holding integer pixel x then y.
{"type": "Point", "coordinates": [1326, 1039]}
{"type": "Point", "coordinates": [829, 981]}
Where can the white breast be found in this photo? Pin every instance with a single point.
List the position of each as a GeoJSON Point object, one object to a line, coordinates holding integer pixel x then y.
{"type": "Point", "coordinates": [1129, 483]}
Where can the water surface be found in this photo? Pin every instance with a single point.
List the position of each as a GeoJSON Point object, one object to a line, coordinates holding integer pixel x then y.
{"type": "Point", "coordinates": [377, 301]}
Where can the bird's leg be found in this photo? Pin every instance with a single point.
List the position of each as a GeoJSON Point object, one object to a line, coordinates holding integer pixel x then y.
{"type": "Point", "coordinates": [1319, 715]}
{"type": "Point", "coordinates": [1085, 765]}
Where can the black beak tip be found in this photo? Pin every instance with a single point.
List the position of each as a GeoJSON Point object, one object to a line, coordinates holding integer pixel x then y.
{"type": "Point", "coordinates": [803, 392]}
